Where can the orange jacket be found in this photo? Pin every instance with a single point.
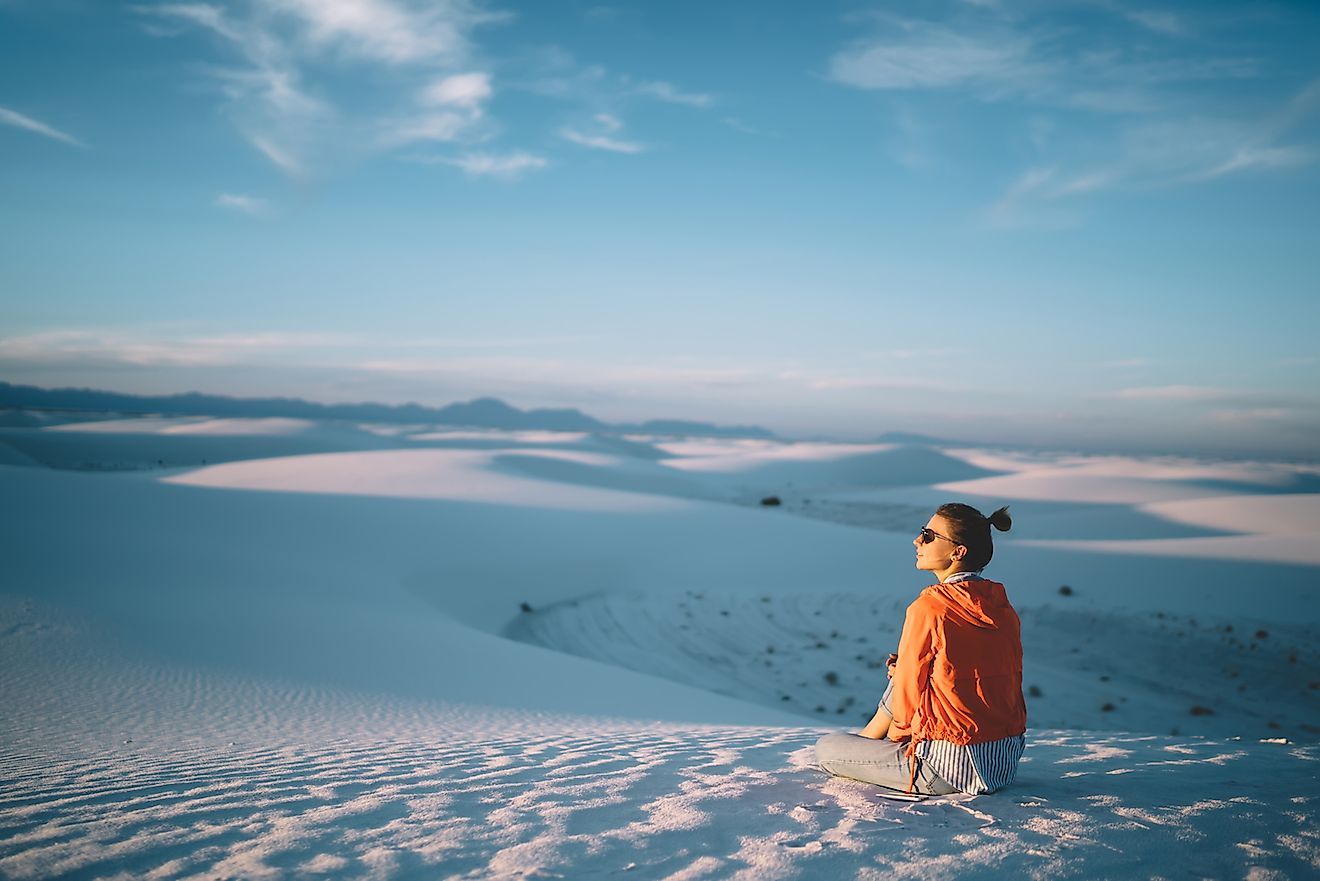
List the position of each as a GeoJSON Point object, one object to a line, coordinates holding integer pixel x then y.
{"type": "Point", "coordinates": [959, 671]}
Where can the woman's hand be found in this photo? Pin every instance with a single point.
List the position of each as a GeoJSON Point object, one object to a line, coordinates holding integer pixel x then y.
{"type": "Point", "coordinates": [889, 664]}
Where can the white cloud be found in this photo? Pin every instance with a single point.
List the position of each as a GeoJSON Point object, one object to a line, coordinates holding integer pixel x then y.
{"type": "Point", "coordinates": [467, 90]}
{"type": "Point", "coordinates": [18, 120]}
{"type": "Point", "coordinates": [506, 167]}
{"type": "Point", "coordinates": [1254, 415]}
{"type": "Point", "coordinates": [444, 127]}
{"type": "Point", "coordinates": [603, 138]}
{"type": "Point", "coordinates": [246, 204]}
{"type": "Point", "coordinates": [87, 348]}
{"type": "Point", "coordinates": [278, 155]}
{"type": "Point", "coordinates": [1166, 152]}
{"type": "Point", "coordinates": [386, 31]}
{"type": "Point", "coordinates": [994, 55]}
{"type": "Point", "coordinates": [1250, 158]}
{"type": "Point", "coordinates": [283, 44]}
{"type": "Point", "coordinates": [91, 348]}
{"type": "Point", "coordinates": [663, 91]}
{"type": "Point", "coordinates": [1170, 393]}
{"type": "Point", "coordinates": [451, 111]}
{"type": "Point", "coordinates": [933, 56]}
{"type": "Point", "coordinates": [1141, 82]}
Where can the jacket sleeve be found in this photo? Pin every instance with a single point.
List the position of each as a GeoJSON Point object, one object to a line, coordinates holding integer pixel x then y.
{"type": "Point", "coordinates": [916, 652]}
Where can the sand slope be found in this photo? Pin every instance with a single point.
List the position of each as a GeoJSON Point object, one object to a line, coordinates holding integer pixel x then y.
{"type": "Point", "coordinates": [581, 800]}
{"type": "Point", "coordinates": [398, 652]}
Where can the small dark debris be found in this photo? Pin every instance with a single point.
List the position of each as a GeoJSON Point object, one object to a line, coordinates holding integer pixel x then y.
{"type": "Point", "coordinates": [1159, 615]}
{"type": "Point", "coordinates": [819, 709]}
{"type": "Point", "coordinates": [1228, 628]}
{"type": "Point", "coordinates": [1262, 634]}
{"type": "Point", "coordinates": [769, 650]}
{"type": "Point", "coordinates": [771, 501]}
{"type": "Point", "coordinates": [832, 678]}
{"type": "Point", "coordinates": [820, 645]}
{"type": "Point", "coordinates": [1292, 657]}
{"type": "Point", "coordinates": [784, 697]}
{"type": "Point", "coordinates": [1104, 678]}
{"type": "Point", "coordinates": [724, 612]}
{"type": "Point", "coordinates": [1313, 685]}
{"type": "Point", "coordinates": [526, 607]}
{"type": "Point", "coordinates": [1107, 708]}
{"type": "Point", "coordinates": [1034, 691]}
{"type": "Point", "coordinates": [1065, 591]}
{"type": "Point", "coordinates": [1198, 710]}
{"type": "Point", "coordinates": [1272, 724]}
{"type": "Point", "coordinates": [834, 634]}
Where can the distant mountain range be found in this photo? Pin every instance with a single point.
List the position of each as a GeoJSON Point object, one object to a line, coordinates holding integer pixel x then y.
{"type": "Point", "coordinates": [479, 413]}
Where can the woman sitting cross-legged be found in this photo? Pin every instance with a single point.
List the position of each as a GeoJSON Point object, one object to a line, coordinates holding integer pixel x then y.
{"type": "Point", "coordinates": [953, 718]}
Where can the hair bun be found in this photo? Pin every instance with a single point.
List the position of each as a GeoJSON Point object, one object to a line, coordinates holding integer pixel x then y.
{"type": "Point", "coordinates": [1000, 520]}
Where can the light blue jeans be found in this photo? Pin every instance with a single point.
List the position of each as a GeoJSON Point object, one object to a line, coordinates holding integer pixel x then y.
{"type": "Point", "coordinates": [883, 762]}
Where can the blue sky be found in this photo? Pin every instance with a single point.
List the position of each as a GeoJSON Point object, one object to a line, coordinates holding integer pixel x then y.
{"type": "Point", "coordinates": [1080, 224]}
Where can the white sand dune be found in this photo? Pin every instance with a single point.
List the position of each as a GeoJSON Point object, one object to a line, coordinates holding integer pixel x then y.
{"type": "Point", "coordinates": [422, 474]}
{"type": "Point", "coordinates": [819, 465]}
{"type": "Point", "coordinates": [302, 666]}
{"type": "Point", "coordinates": [153, 443]}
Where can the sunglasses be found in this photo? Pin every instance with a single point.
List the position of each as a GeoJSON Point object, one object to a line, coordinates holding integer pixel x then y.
{"type": "Point", "coordinates": [928, 535]}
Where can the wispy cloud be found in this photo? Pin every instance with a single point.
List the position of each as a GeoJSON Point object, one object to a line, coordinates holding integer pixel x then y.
{"type": "Point", "coordinates": [603, 138]}
{"type": "Point", "coordinates": [1254, 415]}
{"type": "Point", "coordinates": [1171, 393]}
{"type": "Point", "coordinates": [925, 55]}
{"type": "Point", "coordinates": [246, 204]}
{"type": "Point", "coordinates": [1136, 91]}
{"type": "Point", "coordinates": [93, 348]}
{"type": "Point", "coordinates": [18, 120]}
{"type": "Point", "coordinates": [504, 167]}
{"type": "Point", "coordinates": [448, 109]}
{"type": "Point", "coordinates": [284, 47]}
{"type": "Point", "coordinates": [469, 90]}
{"type": "Point", "coordinates": [1228, 398]}
{"type": "Point", "coordinates": [1165, 153]}
{"type": "Point", "coordinates": [663, 91]}
{"type": "Point", "coordinates": [386, 31]}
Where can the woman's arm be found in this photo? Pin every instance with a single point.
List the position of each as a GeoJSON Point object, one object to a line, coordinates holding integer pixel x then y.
{"type": "Point", "coordinates": [878, 727]}
{"type": "Point", "coordinates": [916, 651]}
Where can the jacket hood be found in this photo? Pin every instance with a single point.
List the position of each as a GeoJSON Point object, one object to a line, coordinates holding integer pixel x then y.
{"type": "Point", "coordinates": [976, 601]}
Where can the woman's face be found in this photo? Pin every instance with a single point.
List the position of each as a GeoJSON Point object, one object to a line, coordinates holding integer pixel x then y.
{"type": "Point", "coordinates": [935, 555]}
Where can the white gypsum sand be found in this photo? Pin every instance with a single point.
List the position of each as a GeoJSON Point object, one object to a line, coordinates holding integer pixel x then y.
{"type": "Point", "coordinates": [319, 665]}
